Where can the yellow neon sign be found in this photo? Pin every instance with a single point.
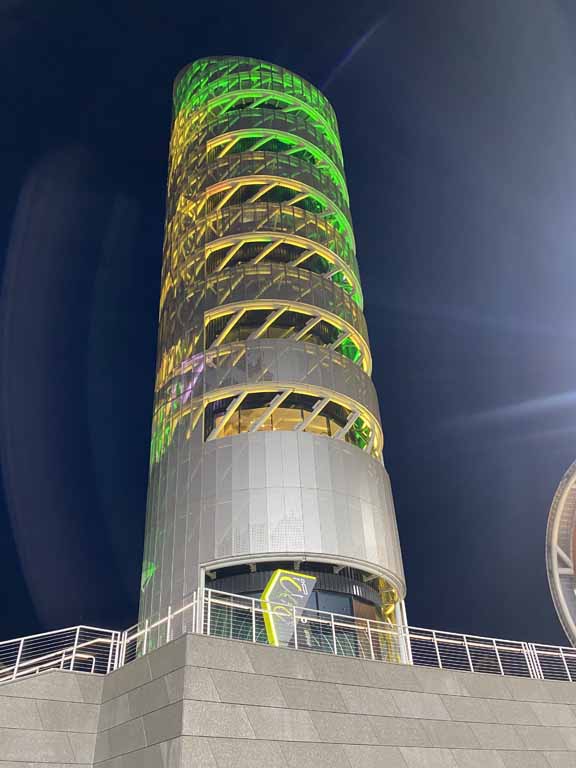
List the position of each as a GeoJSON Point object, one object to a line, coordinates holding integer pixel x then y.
{"type": "Point", "coordinates": [283, 600]}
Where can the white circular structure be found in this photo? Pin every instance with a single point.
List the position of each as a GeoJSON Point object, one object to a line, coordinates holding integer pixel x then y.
{"type": "Point", "coordinates": [561, 552]}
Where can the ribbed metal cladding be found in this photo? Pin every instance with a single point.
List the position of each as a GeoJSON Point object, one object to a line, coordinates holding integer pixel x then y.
{"type": "Point", "coordinates": [266, 438]}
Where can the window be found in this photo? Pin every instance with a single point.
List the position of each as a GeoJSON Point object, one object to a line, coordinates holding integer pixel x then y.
{"type": "Point", "coordinates": [279, 410]}
{"type": "Point", "coordinates": [277, 323]}
{"type": "Point", "coordinates": [334, 602]}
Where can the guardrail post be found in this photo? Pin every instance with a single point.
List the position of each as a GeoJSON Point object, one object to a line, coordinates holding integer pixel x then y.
{"type": "Point", "coordinates": [118, 649]}
{"type": "Point", "coordinates": [200, 612]}
{"type": "Point", "coordinates": [111, 653]}
{"type": "Point", "coordinates": [498, 657]}
{"type": "Point", "coordinates": [73, 659]}
{"type": "Point", "coordinates": [538, 672]}
{"type": "Point", "coordinates": [566, 667]}
{"type": "Point", "coordinates": [209, 611]}
{"type": "Point", "coordinates": [18, 657]}
{"type": "Point", "coordinates": [253, 620]}
{"type": "Point", "coordinates": [122, 649]}
{"type": "Point", "coordinates": [370, 639]}
{"type": "Point", "coordinates": [333, 634]}
{"type": "Point", "coordinates": [406, 647]}
{"type": "Point", "coordinates": [402, 643]}
{"type": "Point", "coordinates": [528, 660]}
{"type": "Point", "coordinates": [402, 622]}
{"type": "Point", "coordinates": [434, 638]}
{"type": "Point", "coordinates": [168, 624]}
{"type": "Point", "coordinates": [295, 625]}
{"type": "Point", "coordinates": [468, 654]}
{"type": "Point", "coordinates": [145, 646]}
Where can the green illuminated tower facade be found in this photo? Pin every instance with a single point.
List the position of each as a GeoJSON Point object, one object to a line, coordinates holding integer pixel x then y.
{"type": "Point", "coordinates": [267, 443]}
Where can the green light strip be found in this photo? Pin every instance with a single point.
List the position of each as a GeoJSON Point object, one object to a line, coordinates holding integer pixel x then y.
{"type": "Point", "coordinates": [187, 132]}
{"type": "Point", "coordinates": [242, 72]}
{"type": "Point", "coordinates": [203, 173]}
{"type": "Point", "coordinates": [325, 163]}
{"type": "Point", "coordinates": [229, 99]}
{"type": "Point", "coordinates": [328, 209]}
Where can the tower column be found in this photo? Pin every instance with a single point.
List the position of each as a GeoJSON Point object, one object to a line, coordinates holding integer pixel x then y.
{"type": "Point", "coordinates": [266, 440]}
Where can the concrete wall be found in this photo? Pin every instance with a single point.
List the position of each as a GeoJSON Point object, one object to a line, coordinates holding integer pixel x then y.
{"type": "Point", "coordinates": [50, 720]}
{"type": "Point", "coordinates": [207, 703]}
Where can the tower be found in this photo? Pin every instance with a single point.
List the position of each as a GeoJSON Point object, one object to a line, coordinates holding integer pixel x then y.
{"type": "Point", "coordinates": [266, 440]}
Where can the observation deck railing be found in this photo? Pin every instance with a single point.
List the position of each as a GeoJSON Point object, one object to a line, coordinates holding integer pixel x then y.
{"type": "Point", "coordinates": [81, 649]}
{"type": "Point", "coordinates": [235, 617]}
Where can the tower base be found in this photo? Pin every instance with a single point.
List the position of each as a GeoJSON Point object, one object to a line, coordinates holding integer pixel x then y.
{"type": "Point", "coordinates": [202, 702]}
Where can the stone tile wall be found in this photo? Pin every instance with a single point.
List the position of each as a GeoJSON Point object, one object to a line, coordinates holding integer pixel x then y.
{"type": "Point", "coordinates": [49, 720]}
{"type": "Point", "coordinates": [202, 702]}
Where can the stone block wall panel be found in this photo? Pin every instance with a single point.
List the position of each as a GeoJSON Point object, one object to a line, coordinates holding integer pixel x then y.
{"type": "Point", "coordinates": [202, 702]}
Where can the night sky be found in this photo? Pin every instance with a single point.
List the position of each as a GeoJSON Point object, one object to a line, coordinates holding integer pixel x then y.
{"type": "Point", "coordinates": [458, 124]}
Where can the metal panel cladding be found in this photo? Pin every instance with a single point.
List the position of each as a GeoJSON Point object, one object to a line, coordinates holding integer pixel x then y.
{"type": "Point", "coordinates": [266, 439]}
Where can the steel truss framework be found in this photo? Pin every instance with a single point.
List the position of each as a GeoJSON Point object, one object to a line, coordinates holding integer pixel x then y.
{"type": "Point", "coordinates": [354, 423]}
{"type": "Point", "coordinates": [261, 322]}
{"type": "Point", "coordinates": [300, 322]}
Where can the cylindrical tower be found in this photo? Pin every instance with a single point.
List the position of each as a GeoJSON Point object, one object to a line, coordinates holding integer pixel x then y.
{"type": "Point", "coordinates": [266, 441]}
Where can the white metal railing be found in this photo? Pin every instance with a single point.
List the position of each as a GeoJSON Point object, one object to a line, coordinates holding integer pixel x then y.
{"type": "Point", "coordinates": [235, 617]}
{"type": "Point", "coordinates": [82, 649]}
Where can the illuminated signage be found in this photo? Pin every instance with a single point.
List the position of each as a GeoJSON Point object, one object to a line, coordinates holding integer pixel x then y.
{"type": "Point", "coordinates": [283, 600]}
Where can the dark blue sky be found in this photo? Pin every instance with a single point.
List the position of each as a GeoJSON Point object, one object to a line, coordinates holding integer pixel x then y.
{"type": "Point", "coordinates": [458, 120]}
